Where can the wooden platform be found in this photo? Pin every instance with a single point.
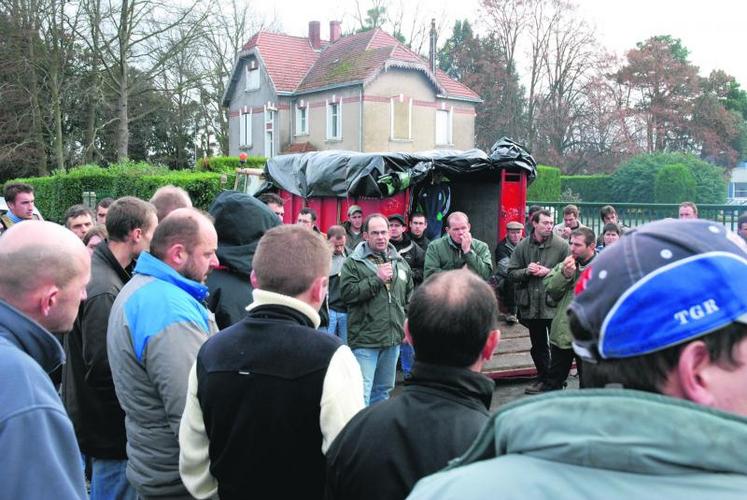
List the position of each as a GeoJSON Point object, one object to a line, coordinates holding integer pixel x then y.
{"type": "Point", "coordinates": [512, 358]}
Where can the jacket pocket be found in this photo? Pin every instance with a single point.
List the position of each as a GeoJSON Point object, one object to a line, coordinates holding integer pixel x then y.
{"type": "Point", "coordinates": [549, 301]}
{"type": "Point", "coordinates": [522, 297]}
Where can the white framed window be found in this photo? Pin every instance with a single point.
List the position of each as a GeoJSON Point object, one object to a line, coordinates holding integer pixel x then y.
{"type": "Point", "coordinates": [400, 113]}
{"type": "Point", "coordinates": [269, 133]}
{"type": "Point", "coordinates": [252, 75]}
{"type": "Point", "coordinates": [245, 129]}
{"type": "Point", "coordinates": [740, 190]}
{"type": "Point", "coordinates": [302, 120]}
{"type": "Point", "coordinates": [334, 120]}
{"type": "Point", "coordinates": [443, 127]}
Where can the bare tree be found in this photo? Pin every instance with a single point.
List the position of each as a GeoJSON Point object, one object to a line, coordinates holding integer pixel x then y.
{"type": "Point", "coordinates": [130, 36]}
{"type": "Point", "coordinates": [231, 25]}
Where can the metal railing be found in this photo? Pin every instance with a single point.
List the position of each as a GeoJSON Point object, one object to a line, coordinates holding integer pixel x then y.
{"type": "Point", "coordinates": [636, 214]}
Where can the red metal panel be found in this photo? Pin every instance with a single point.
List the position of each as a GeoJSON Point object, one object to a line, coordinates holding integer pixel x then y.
{"type": "Point", "coordinates": [396, 204]}
{"type": "Point", "coordinates": [513, 200]}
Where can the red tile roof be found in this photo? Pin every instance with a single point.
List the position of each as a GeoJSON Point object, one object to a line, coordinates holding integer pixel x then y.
{"type": "Point", "coordinates": [287, 58]}
{"type": "Point", "coordinates": [294, 66]}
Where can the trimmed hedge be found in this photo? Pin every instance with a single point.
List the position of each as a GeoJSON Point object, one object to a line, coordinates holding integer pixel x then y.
{"type": "Point", "coordinates": [634, 181]}
{"type": "Point", "coordinates": [228, 164]}
{"type": "Point", "coordinates": [587, 187]}
{"type": "Point", "coordinates": [54, 194]}
{"type": "Point", "coordinates": [546, 187]}
{"type": "Point", "coordinates": [674, 183]}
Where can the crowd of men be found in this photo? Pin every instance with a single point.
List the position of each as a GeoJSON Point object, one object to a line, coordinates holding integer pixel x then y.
{"type": "Point", "coordinates": [225, 354]}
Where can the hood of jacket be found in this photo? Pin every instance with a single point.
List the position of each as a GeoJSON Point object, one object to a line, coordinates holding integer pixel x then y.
{"type": "Point", "coordinates": [30, 337]}
{"type": "Point", "coordinates": [240, 221]}
{"type": "Point", "coordinates": [617, 429]}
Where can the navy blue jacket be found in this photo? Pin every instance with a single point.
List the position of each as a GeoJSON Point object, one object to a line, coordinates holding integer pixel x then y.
{"type": "Point", "coordinates": [39, 458]}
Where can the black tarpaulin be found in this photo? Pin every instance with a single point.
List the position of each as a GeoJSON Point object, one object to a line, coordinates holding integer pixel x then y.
{"type": "Point", "coordinates": [378, 175]}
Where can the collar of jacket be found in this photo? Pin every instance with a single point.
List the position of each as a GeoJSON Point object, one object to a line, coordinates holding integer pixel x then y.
{"type": "Point", "coordinates": [103, 253]}
{"type": "Point", "coordinates": [151, 266]}
{"type": "Point", "coordinates": [265, 298]}
{"type": "Point", "coordinates": [544, 242]}
{"type": "Point", "coordinates": [617, 429]}
{"type": "Point", "coordinates": [363, 251]}
{"type": "Point", "coordinates": [30, 337]}
{"type": "Point", "coordinates": [405, 245]}
{"type": "Point", "coordinates": [13, 217]}
{"type": "Point", "coordinates": [453, 379]}
{"type": "Point", "coordinates": [453, 243]}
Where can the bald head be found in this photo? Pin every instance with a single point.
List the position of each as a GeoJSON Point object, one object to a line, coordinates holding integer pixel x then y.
{"type": "Point", "coordinates": [44, 269]}
{"type": "Point", "coordinates": [168, 198]}
{"type": "Point", "coordinates": [450, 317]}
{"type": "Point", "coordinates": [455, 217]}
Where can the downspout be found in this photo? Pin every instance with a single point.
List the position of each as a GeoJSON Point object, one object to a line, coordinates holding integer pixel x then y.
{"type": "Point", "coordinates": [360, 119]}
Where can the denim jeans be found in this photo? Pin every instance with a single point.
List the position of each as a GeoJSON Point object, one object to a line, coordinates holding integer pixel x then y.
{"type": "Point", "coordinates": [406, 357]}
{"type": "Point", "coordinates": [338, 325]}
{"type": "Point", "coordinates": [109, 481]}
{"type": "Point", "coordinates": [379, 369]}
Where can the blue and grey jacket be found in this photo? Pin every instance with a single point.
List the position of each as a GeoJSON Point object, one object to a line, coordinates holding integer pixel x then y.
{"type": "Point", "coordinates": [156, 326]}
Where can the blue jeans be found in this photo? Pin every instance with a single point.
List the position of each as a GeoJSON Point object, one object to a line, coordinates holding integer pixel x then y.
{"type": "Point", "coordinates": [406, 357]}
{"type": "Point", "coordinates": [338, 325]}
{"type": "Point", "coordinates": [109, 481]}
{"type": "Point", "coordinates": [379, 370]}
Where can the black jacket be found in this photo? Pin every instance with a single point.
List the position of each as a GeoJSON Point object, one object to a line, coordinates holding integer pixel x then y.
{"type": "Point", "coordinates": [413, 254]}
{"type": "Point", "coordinates": [422, 242]}
{"type": "Point", "coordinates": [87, 385]}
{"type": "Point", "coordinates": [260, 385]}
{"type": "Point", "coordinates": [386, 448]}
{"type": "Point", "coordinates": [240, 221]}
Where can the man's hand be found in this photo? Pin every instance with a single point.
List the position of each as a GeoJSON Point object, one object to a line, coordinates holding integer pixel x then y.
{"type": "Point", "coordinates": [567, 232]}
{"type": "Point", "coordinates": [537, 269]}
{"type": "Point", "coordinates": [385, 272]}
{"type": "Point", "coordinates": [466, 242]}
{"type": "Point", "coordinates": [569, 266]}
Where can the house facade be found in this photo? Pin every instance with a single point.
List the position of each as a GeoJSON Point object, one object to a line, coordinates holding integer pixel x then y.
{"type": "Point", "coordinates": [362, 92]}
{"type": "Point", "coordinates": [738, 184]}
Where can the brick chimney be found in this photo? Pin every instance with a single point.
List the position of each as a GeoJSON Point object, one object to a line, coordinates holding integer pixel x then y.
{"type": "Point", "coordinates": [432, 52]}
{"type": "Point", "coordinates": [315, 37]}
{"type": "Point", "coordinates": [335, 31]}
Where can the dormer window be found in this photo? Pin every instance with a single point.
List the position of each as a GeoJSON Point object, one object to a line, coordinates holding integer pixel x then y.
{"type": "Point", "coordinates": [252, 75]}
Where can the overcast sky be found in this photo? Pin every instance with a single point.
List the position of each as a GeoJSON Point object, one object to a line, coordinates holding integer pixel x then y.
{"type": "Point", "coordinates": [714, 31]}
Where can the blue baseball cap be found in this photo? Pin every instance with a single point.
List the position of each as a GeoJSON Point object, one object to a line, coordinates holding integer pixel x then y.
{"type": "Point", "coordinates": [660, 285]}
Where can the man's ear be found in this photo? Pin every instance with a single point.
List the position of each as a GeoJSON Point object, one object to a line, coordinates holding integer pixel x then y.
{"type": "Point", "coordinates": [48, 299]}
{"type": "Point", "coordinates": [177, 254]}
{"type": "Point", "coordinates": [136, 234]}
{"type": "Point", "coordinates": [319, 288]}
{"type": "Point", "coordinates": [491, 344]}
{"type": "Point", "coordinates": [253, 279]}
{"type": "Point", "coordinates": [692, 377]}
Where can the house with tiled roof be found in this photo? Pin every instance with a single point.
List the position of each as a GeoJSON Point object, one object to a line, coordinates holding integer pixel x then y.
{"type": "Point", "coordinates": [360, 92]}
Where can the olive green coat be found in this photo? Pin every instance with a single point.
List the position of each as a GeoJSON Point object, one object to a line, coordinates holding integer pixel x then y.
{"type": "Point", "coordinates": [560, 289]}
{"type": "Point", "coordinates": [444, 255]}
{"type": "Point", "coordinates": [531, 298]}
{"type": "Point", "coordinates": [376, 313]}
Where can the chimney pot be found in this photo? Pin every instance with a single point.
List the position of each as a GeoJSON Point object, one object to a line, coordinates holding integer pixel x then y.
{"type": "Point", "coordinates": [335, 31]}
{"type": "Point", "coordinates": [315, 35]}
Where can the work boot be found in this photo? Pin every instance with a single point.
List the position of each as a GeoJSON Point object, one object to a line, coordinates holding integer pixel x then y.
{"type": "Point", "coordinates": [540, 386]}
{"type": "Point", "coordinates": [511, 319]}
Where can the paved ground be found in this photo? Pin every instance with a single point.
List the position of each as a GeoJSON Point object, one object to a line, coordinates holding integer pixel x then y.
{"type": "Point", "coordinates": [511, 358]}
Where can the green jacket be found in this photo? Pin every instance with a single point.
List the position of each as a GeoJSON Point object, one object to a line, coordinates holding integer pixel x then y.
{"type": "Point", "coordinates": [615, 444]}
{"type": "Point", "coordinates": [560, 289]}
{"type": "Point", "coordinates": [444, 255]}
{"type": "Point", "coordinates": [531, 298]}
{"type": "Point", "coordinates": [376, 312]}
